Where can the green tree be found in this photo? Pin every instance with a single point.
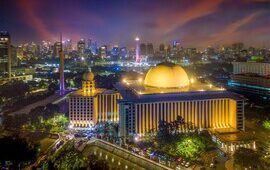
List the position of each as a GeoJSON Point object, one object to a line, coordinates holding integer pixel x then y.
{"type": "Point", "coordinates": [17, 151]}
{"type": "Point", "coordinates": [190, 147]}
{"type": "Point", "coordinates": [95, 163]}
{"type": "Point", "coordinates": [248, 158]}
{"type": "Point", "coordinates": [68, 158]}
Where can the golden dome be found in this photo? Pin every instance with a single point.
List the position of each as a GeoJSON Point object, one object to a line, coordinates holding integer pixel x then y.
{"type": "Point", "coordinates": [166, 75]}
{"type": "Point", "coordinates": [89, 76]}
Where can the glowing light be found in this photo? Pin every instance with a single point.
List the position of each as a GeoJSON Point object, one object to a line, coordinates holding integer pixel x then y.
{"type": "Point", "coordinates": [192, 80]}
{"type": "Point", "coordinates": [70, 126]}
{"type": "Point", "coordinates": [124, 80]}
{"type": "Point", "coordinates": [136, 138]}
{"type": "Point", "coordinates": [140, 80]}
{"type": "Point", "coordinates": [137, 39]}
{"type": "Point", "coordinates": [222, 89]}
{"type": "Point", "coordinates": [210, 85]}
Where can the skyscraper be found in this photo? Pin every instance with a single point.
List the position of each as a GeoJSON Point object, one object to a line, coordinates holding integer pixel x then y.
{"type": "Point", "coordinates": [61, 68]}
{"type": "Point", "coordinates": [5, 53]}
{"type": "Point", "coordinates": [143, 49]}
{"type": "Point", "coordinates": [103, 52]}
{"type": "Point", "coordinates": [138, 59]}
{"type": "Point", "coordinates": [81, 46]}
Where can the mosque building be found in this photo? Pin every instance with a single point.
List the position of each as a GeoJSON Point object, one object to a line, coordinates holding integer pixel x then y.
{"type": "Point", "coordinates": [168, 92]}
{"type": "Point", "coordinates": [165, 93]}
{"type": "Point", "coordinates": [90, 105]}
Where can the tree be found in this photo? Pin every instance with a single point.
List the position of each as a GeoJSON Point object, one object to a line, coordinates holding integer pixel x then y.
{"type": "Point", "coordinates": [163, 134]}
{"type": "Point", "coordinates": [68, 158]}
{"type": "Point", "coordinates": [95, 163]}
{"type": "Point", "coordinates": [248, 158]}
{"type": "Point", "coordinates": [190, 147]}
{"type": "Point", "coordinates": [17, 151]}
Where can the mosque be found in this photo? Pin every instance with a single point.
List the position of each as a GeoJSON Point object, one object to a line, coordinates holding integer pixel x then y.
{"type": "Point", "coordinates": [165, 93]}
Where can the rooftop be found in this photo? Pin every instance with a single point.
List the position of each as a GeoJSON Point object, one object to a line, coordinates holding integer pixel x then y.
{"type": "Point", "coordinates": [97, 91]}
{"type": "Point", "coordinates": [131, 93]}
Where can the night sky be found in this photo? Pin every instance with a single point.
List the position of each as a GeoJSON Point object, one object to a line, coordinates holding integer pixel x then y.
{"type": "Point", "coordinates": [196, 23]}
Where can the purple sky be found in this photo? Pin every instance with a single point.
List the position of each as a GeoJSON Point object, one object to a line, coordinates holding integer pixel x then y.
{"type": "Point", "coordinates": [196, 23]}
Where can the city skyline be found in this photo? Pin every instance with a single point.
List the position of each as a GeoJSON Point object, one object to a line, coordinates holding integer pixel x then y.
{"type": "Point", "coordinates": [193, 23]}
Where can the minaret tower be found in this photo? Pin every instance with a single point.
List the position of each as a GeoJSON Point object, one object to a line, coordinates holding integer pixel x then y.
{"type": "Point", "coordinates": [138, 58]}
{"type": "Point", "coordinates": [88, 83]}
{"type": "Point", "coordinates": [61, 68]}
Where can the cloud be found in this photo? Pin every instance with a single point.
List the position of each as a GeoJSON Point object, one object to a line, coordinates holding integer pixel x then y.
{"type": "Point", "coordinates": [175, 19]}
{"type": "Point", "coordinates": [32, 19]}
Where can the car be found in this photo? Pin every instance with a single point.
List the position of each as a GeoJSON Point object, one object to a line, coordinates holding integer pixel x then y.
{"type": "Point", "coordinates": [178, 167]}
{"type": "Point", "coordinates": [187, 164]}
{"type": "Point", "coordinates": [183, 162]}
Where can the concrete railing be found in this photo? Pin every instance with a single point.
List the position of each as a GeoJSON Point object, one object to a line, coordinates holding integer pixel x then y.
{"type": "Point", "coordinates": [127, 155]}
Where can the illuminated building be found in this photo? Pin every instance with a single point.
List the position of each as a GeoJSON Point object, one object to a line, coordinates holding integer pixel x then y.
{"type": "Point", "coordinates": [115, 52]}
{"type": "Point", "coordinates": [262, 69]}
{"type": "Point", "coordinates": [81, 46]}
{"type": "Point", "coordinates": [103, 51]}
{"type": "Point", "coordinates": [91, 105]}
{"type": "Point", "coordinates": [168, 92]}
{"type": "Point", "coordinates": [138, 58]}
{"type": "Point", "coordinates": [251, 79]}
{"type": "Point", "coordinates": [61, 68]}
{"type": "Point", "coordinates": [5, 53]}
{"type": "Point", "coordinates": [56, 49]}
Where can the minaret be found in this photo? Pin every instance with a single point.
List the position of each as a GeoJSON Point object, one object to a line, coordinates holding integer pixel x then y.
{"type": "Point", "coordinates": [61, 68]}
{"type": "Point", "coordinates": [138, 59]}
{"type": "Point", "coordinates": [88, 83]}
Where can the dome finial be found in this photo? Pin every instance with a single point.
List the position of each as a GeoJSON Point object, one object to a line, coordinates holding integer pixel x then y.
{"type": "Point", "coordinates": [89, 76]}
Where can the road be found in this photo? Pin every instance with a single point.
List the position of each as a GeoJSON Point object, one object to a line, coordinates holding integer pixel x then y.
{"type": "Point", "coordinates": [55, 99]}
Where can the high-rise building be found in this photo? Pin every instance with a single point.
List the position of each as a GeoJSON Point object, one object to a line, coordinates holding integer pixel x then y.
{"type": "Point", "coordinates": [5, 53]}
{"type": "Point", "coordinates": [149, 49]}
{"type": "Point", "coordinates": [93, 48]}
{"type": "Point", "coordinates": [81, 46]}
{"type": "Point", "coordinates": [67, 45]}
{"type": "Point", "coordinates": [61, 68]}
{"type": "Point", "coordinates": [143, 50]}
{"type": "Point", "coordinates": [103, 52]}
{"type": "Point", "coordinates": [137, 50]}
{"type": "Point", "coordinates": [162, 48]}
{"type": "Point", "coordinates": [88, 43]}
{"type": "Point", "coordinates": [56, 49]}
{"type": "Point", "coordinates": [123, 53]}
{"type": "Point", "coordinates": [115, 51]}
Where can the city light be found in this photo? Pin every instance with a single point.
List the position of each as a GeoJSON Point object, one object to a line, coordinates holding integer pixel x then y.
{"type": "Point", "coordinates": [134, 87]}
{"type": "Point", "coordinates": [192, 80]}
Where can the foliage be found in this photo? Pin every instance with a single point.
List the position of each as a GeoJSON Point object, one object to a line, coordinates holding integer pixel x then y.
{"type": "Point", "coordinates": [17, 151]}
{"type": "Point", "coordinates": [266, 124]}
{"type": "Point", "coordinates": [41, 118]}
{"type": "Point", "coordinates": [14, 89]}
{"type": "Point", "coordinates": [174, 142]}
{"type": "Point", "coordinates": [190, 147]}
{"type": "Point", "coordinates": [167, 130]}
{"type": "Point", "coordinates": [95, 163]}
{"type": "Point", "coordinates": [68, 158]}
{"type": "Point", "coordinates": [248, 158]}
